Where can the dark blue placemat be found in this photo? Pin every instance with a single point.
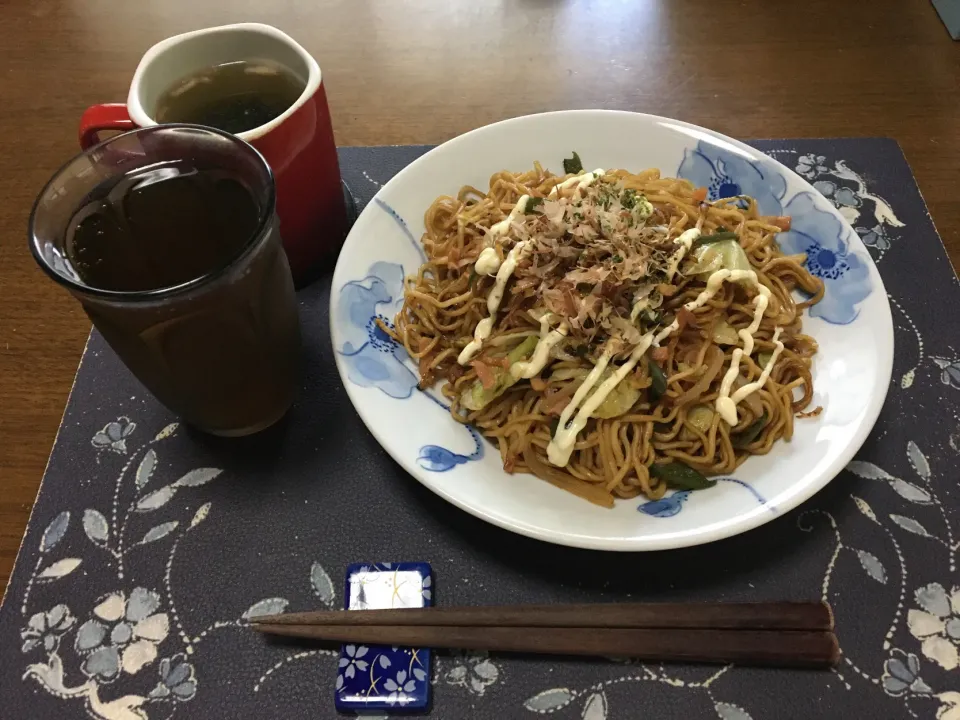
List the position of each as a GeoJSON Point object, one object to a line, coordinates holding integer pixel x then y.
{"type": "Point", "coordinates": [150, 544]}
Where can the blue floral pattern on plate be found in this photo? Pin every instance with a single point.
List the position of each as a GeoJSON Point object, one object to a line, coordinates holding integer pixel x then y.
{"type": "Point", "coordinates": [439, 459]}
{"type": "Point", "coordinates": [403, 226]}
{"type": "Point", "coordinates": [374, 359]}
{"type": "Point", "coordinates": [725, 174]}
{"type": "Point", "coordinates": [670, 505]}
{"type": "Point", "coordinates": [667, 506]}
{"type": "Point", "coordinates": [819, 234]}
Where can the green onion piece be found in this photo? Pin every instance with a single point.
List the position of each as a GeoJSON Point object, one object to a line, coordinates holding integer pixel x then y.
{"type": "Point", "coordinates": [751, 433]}
{"type": "Point", "coordinates": [678, 476]}
{"type": "Point", "coordinates": [573, 165]}
{"type": "Point", "coordinates": [532, 204]}
{"type": "Point", "coordinates": [715, 237]}
{"type": "Point", "coordinates": [617, 259]}
{"type": "Point", "coordinates": [658, 384]}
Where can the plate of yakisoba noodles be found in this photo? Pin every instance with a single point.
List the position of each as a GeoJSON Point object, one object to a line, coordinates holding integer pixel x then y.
{"type": "Point", "coordinates": [611, 330]}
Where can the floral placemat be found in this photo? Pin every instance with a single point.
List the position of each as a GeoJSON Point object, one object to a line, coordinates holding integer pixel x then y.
{"type": "Point", "coordinates": [150, 545]}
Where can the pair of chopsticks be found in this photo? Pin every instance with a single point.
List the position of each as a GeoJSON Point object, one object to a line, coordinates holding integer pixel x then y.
{"type": "Point", "coordinates": [785, 634]}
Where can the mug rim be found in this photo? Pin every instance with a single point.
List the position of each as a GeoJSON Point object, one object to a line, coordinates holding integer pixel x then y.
{"type": "Point", "coordinates": [163, 293]}
{"type": "Point", "coordinates": [142, 118]}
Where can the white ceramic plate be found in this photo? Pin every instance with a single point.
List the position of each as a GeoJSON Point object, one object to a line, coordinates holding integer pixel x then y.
{"type": "Point", "coordinates": [852, 324]}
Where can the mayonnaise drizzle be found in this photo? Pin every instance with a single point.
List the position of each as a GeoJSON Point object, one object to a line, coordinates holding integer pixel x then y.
{"type": "Point", "coordinates": [581, 181]}
{"type": "Point", "coordinates": [494, 299]}
{"type": "Point", "coordinates": [726, 407]}
{"type": "Point", "coordinates": [541, 353]}
{"type": "Point", "coordinates": [764, 376]}
{"type": "Point", "coordinates": [562, 444]}
{"type": "Point", "coordinates": [560, 447]}
{"type": "Point", "coordinates": [685, 241]}
{"type": "Point", "coordinates": [488, 262]}
{"type": "Point", "coordinates": [503, 226]}
{"type": "Point", "coordinates": [713, 287]}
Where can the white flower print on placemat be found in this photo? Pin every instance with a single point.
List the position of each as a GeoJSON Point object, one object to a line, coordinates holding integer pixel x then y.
{"type": "Point", "coordinates": [901, 673]}
{"type": "Point", "coordinates": [122, 634]}
{"type": "Point", "coordinates": [949, 371]}
{"type": "Point", "coordinates": [937, 625]}
{"type": "Point", "coordinates": [594, 703]}
{"type": "Point", "coordinates": [45, 628]}
{"type": "Point", "coordinates": [126, 630]}
{"type": "Point", "coordinates": [869, 214]}
{"type": "Point", "coordinates": [114, 435]}
{"type": "Point", "coordinates": [934, 623]}
{"type": "Point", "coordinates": [474, 672]}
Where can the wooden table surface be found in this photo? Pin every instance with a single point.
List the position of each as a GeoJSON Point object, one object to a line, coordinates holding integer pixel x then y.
{"type": "Point", "coordinates": [423, 71]}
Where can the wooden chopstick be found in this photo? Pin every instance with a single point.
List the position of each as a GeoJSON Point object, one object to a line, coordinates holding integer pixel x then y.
{"type": "Point", "coordinates": [716, 616]}
{"type": "Point", "coordinates": [787, 634]}
{"type": "Point", "coordinates": [783, 648]}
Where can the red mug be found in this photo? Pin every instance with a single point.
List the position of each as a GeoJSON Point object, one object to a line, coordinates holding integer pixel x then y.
{"type": "Point", "coordinates": [298, 144]}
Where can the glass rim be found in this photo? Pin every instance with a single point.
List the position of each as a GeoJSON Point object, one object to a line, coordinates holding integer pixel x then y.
{"type": "Point", "coordinates": [266, 215]}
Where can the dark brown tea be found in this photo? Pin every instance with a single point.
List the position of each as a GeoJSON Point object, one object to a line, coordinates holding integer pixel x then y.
{"type": "Point", "coordinates": [160, 227]}
{"type": "Point", "coordinates": [234, 97]}
{"type": "Point", "coordinates": [226, 354]}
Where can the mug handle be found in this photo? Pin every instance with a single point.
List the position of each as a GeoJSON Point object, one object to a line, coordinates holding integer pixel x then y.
{"type": "Point", "coordinates": [108, 116]}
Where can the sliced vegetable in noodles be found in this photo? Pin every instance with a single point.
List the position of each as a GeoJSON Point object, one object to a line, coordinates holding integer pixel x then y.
{"type": "Point", "coordinates": [715, 237]}
{"type": "Point", "coordinates": [678, 476]}
{"type": "Point", "coordinates": [623, 397]}
{"type": "Point", "coordinates": [701, 417]}
{"type": "Point", "coordinates": [477, 397]}
{"type": "Point", "coordinates": [711, 371]}
{"type": "Point", "coordinates": [721, 255]}
{"type": "Point", "coordinates": [749, 434]}
{"type": "Point", "coordinates": [724, 333]}
{"type": "Point", "coordinates": [658, 381]}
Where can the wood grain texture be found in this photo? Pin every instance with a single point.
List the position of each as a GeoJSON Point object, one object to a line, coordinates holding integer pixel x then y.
{"type": "Point", "coordinates": [422, 71]}
{"type": "Point", "coordinates": [713, 616]}
{"type": "Point", "coordinates": [774, 648]}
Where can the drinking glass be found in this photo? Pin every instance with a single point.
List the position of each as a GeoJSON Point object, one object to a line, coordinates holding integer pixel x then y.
{"type": "Point", "coordinates": [221, 349]}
